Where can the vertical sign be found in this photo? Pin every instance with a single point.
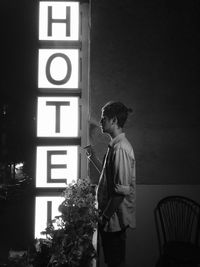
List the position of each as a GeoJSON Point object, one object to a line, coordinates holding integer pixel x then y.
{"type": "Point", "coordinates": [62, 103]}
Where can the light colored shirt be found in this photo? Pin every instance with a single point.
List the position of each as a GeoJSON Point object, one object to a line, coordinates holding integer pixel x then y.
{"type": "Point", "coordinates": [118, 176]}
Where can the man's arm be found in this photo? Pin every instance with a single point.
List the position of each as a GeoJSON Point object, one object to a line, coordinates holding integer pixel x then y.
{"type": "Point", "coordinates": [121, 174]}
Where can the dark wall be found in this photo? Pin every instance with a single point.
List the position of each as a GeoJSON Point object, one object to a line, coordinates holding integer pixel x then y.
{"type": "Point", "coordinates": [145, 54]}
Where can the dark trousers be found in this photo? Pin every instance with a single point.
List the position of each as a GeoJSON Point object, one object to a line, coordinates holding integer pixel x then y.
{"type": "Point", "coordinates": [114, 247]}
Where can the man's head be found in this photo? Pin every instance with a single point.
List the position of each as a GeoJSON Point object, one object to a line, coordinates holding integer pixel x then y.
{"type": "Point", "coordinates": [114, 116]}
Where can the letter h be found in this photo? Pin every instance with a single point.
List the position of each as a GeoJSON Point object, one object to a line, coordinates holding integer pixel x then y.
{"type": "Point", "coordinates": [51, 21]}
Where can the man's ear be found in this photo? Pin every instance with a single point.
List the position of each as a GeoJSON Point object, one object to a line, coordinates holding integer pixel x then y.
{"type": "Point", "coordinates": [114, 120]}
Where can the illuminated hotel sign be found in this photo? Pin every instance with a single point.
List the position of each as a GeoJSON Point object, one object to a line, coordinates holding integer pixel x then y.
{"type": "Point", "coordinates": [58, 68]}
{"type": "Point", "coordinates": [59, 21]}
{"type": "Point", "coordinates": [56, 165]}
{"type": "Point", "coordinates": [62, 103]}
{"type": "Point", "coordinates": [57, 117]}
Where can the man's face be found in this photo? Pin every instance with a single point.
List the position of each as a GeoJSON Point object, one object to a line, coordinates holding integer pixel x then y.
{"type": "Point", "coordinates": [106, 124]}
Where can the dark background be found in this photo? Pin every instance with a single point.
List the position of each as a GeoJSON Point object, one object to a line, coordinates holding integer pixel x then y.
{"type": "Point", "coordinates": [18, 79]}
{"type": "Point", "coordinates": [144, 53]}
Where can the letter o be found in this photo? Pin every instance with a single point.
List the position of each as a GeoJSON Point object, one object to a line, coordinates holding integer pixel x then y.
{"type": "Point", "coordinates": [69, 69]}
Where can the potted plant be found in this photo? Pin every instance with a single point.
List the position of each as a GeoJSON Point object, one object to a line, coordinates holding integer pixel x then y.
{"type": "Point", "coordinates": [69, 236]}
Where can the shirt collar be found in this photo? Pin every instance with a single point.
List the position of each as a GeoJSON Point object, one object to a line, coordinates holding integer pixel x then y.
{"type": "Point", "coordinates": [116, 139]}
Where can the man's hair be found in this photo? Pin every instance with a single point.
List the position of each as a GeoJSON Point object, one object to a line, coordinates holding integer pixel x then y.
{"type": "Point", "coordinates": [116, 109]}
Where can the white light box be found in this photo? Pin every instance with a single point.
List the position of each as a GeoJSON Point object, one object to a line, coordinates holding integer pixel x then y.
{"type": "Point", "coordinates": [59, 21]}
{"type": "Point", "coordinates": [46, 208]}
{"type": "Point", "coordinates": [56, 166]}
{"type": "Point", "coordinates": [57, 117]}
{"type": "Point", "coordinates": [58, 68]}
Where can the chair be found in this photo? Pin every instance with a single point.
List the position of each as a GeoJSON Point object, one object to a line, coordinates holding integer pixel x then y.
{"type": "Point", "coordinates": [177, 220]}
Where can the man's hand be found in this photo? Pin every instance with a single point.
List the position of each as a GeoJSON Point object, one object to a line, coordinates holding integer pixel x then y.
{"type": "Point", "coordinates": [103, 221]}
{"type": "Point", "coordinates": [89, 150]}
{"type": "Point", "coordinates": [90, 153]}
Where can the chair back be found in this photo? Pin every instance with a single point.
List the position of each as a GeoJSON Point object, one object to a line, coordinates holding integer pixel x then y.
{"type": "Point", "coordinates": [177, 219]}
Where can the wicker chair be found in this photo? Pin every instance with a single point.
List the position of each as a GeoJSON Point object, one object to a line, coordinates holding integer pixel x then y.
{"type": "Point", "coordinates": [177, 220]}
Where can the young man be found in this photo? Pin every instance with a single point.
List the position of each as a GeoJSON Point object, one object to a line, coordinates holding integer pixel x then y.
{"type": "Point", "coordinates": [116, 190]}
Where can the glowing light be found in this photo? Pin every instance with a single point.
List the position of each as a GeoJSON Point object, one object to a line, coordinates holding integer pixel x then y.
{"type": "Point", "coordinates": [46, 208]}
{"type": "Point", "coordinates": [19, 165]}
{"type": "Point", "coordinates": [56, 165]}
{"type": "Point", "coordinates": [58, 68]}
{"type": "Point", "coordinates": [67, 25]}
{"type": "Point", "coordinates": [57, 117]}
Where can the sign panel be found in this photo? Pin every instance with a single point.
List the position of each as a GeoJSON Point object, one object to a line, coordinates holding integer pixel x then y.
{"type": "Point", "coordinates": [56, 166]}
{"type": "Point", "coordinates": [58, 68]}
{"type": "Point", "coordinates": [46, 208]}
{"type": "Point", "coordinates": [59, 21]}
{"type": "Point", "coordinates": [63, 64]}
{"type": "Point", "coordinates": [57, 117]}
